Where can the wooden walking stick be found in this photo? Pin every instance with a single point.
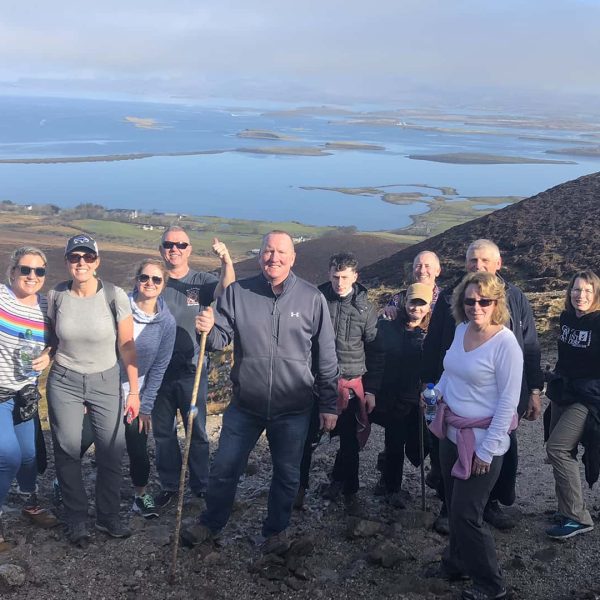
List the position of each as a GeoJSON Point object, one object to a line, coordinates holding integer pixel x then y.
{"type": "Point", "coordinates": [193, 411]}
{"type": "Point", "coordinates": [422, 457]}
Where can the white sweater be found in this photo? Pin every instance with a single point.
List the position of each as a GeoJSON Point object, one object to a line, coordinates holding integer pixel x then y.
{"type": "Point", "coordinates": [484, 382]}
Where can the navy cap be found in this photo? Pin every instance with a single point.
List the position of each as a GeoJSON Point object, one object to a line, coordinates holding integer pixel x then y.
{"type": "Point", "coordinates": [82, 241]}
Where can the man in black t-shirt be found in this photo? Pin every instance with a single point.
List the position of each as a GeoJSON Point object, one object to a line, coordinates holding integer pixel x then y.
{"type": "Point", "coordinates": [186, 292]}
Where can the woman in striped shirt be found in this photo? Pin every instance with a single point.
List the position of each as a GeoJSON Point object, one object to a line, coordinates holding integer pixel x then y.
{"type": "Point", "coordinates": [22, 313]}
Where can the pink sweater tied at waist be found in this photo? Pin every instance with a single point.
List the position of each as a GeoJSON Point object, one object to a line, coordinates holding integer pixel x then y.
{"type": "Point", "coordinates": [363, 427]}
{"type": "Point", "coordinates": [465, 437]}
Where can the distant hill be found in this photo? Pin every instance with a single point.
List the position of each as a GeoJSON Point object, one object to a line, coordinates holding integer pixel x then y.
{"type": "Point", "coordinates": [543, 239]}
{"type": "Point", "coordinates": [312, 257]}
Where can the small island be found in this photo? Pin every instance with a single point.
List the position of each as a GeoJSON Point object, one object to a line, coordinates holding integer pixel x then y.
{"type": "Point", "coordinates": [263, 134]}
{"type": "Point", "coordinates": [285, 151]}
{"type": "Point", "coordinates": [476, 158]}
{"type": "Point", "coordinates": [353, 146]}
{"type": "Point", "coordinates": [144, 123]}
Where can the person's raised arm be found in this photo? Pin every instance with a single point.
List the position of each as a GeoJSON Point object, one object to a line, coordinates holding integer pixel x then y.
{"type": "Point", "coordinates": [227, 276]}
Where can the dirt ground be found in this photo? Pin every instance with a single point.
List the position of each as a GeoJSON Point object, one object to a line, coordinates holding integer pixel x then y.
{"type": "Point", "coordinates": [382, 555]}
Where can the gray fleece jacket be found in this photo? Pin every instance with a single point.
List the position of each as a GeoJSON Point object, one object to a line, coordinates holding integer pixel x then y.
{"type": "Point", "coordinates": [154, 346]}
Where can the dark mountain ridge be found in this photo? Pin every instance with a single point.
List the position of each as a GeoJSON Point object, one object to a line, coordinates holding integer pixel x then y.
{"type": "Point", "coordinates": [543, 240]}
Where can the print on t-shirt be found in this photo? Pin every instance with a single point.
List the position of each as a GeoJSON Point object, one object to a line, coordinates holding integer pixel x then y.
{"type": "Point", "coordinates": [193, 296]}
{"type": "Point", "coordinates": [577, 338]}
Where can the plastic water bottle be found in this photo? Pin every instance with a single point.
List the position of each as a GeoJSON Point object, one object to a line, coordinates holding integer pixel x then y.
{"type": "Point", "coordinates": [430, 396]}
{"type": "Point", "coordinates": [28, 351]}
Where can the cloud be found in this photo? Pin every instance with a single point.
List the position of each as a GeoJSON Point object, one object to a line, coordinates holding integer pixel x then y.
{"type": "Point", "coordinates": [352, 46]}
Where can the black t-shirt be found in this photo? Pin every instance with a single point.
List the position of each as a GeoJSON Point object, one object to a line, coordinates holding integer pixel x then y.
{"type": "Point", "coordinates": [579, 345]}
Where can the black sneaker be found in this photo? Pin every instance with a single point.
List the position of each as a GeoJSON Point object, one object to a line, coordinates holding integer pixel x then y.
{"type": "Point", "coordinates": [78, 534]}
{"type": "Point", "coordinates": [477, 594]}
{"type": "Point", "coordinates": [196, 534]}
{"type": "Point", "coordinates": [164, 498]}
{"type": "Point", "coordinates": [113, 527]}
{"type": "Point", "coordinates": [144, 505]}
{"type": "Point", "coordinates": [278, 544]}
{"type": "Point", "coordinates": [496, 517]}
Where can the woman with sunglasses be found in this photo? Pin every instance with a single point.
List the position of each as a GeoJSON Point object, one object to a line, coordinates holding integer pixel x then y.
{"type": "Point", "coordinates": [575, 407]}
{"type": "Point", "coordinates": [479, 391]}
{"type": "Point", "coordinates": [154, 332]}
{"type": "Point", "coordinates": [22, 309]}
{"type": "Point", "coordinates": [93, 327]}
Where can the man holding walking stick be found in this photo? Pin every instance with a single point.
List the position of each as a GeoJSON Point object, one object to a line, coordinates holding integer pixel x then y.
{"type": "Point", "coordinates": [284, 346]}
{"type": "Point", "coordinates": [186, 292]}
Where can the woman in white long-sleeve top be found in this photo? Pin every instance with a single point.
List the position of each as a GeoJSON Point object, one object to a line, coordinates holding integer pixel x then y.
{"type": "Point", "coordinates": [480, 388]}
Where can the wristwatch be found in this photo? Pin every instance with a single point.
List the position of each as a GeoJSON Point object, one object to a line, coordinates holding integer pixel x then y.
{"type": "Point", "coordinates": [535, 392]}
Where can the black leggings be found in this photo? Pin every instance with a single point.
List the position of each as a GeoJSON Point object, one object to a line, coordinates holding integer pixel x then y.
{"type": "Point", "coordinates": [137, 444]}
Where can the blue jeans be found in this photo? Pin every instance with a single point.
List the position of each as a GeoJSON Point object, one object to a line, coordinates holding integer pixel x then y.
{"type": "Point", "coordinates": [286, 435]}
{"type": "Point", "coordinates": [176, 394]}
{"type": "Point", "coordinates": [17, 452]}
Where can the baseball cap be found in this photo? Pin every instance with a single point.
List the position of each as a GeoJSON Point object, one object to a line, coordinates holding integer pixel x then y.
{"type": "Point", "coordinates": [82, 241]}
{"type": "Point", "coordinates": [419, 291]}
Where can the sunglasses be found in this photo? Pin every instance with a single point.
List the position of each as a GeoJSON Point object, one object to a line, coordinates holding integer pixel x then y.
{"type": "Point", "coordinates": [88, 257]}
{"type": "Point", "coordinates": [39, 271]}
{"type": "Point", "coordinates": [143, 278]}
{"type": "Point", "coordinates": [484, 302]}
{"type": "Point", "coordinates": [171, 245]}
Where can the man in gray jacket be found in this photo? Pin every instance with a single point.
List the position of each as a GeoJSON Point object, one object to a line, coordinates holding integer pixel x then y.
{"type": "Point", "coordinates": [284, 346]}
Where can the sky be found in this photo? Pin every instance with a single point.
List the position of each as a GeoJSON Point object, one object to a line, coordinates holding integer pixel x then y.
{"type": "Point", "coordinates": [329, 51]}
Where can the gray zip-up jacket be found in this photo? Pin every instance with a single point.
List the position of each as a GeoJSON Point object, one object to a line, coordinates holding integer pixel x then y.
{"type": "Point", "coordinates": [283, 346]}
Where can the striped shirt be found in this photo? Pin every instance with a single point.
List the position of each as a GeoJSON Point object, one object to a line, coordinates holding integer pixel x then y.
{"type": "Point", "coordinates": [15, 320]}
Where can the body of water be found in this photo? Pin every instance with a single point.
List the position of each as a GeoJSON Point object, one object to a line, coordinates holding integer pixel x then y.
{"type": "Point", "coordinates": [251, 186]}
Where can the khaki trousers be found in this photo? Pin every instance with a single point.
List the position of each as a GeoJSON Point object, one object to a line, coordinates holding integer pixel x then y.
{"type": "Point", "coordinates": [566, 429]}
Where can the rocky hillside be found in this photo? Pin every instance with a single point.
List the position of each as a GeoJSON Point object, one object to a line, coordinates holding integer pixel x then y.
{"type": "Point", "coordinates": [543, 239]}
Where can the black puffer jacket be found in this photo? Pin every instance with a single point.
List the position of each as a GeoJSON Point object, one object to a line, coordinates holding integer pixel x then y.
{"type": "Point", "coordinates": [354, 321]}
{"type": "Point", "coordinates": [400, 385]}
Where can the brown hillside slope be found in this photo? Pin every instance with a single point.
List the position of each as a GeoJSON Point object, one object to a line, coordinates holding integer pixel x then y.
{"type": "Point", "coordinates": [543, 239]}
{"type": "Point", "coordinates": [312, 257]}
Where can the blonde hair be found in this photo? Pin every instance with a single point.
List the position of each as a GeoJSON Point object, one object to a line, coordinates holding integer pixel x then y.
{"type": "Point", "coordinates": [17, 255]}
{"type": "Point", "coordinates": [488, 286]}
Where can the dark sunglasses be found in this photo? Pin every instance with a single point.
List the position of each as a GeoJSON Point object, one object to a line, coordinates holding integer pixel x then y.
{"type": "Point", "coordinates": [484, 302]}
{"type": "Point", "coordinates": [39, 271]}
{"type": "Point", "coordinates": [171, 245]}
{"type": "Point", "coordinates": [143, 278]}
{"type": "Point", "coordinates": [88, 257]}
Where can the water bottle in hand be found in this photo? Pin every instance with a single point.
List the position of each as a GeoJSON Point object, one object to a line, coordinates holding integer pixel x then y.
{"type": "Point", "coordinates": [430, 396]}
{"type": "Point", "coordinates": [29, 350]}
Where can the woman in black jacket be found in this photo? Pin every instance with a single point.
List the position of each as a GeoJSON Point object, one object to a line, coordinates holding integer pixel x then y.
{"type": "Point", "coordinates": [579, 369]}
{"type": "Point", "coordinates": [397, 408]}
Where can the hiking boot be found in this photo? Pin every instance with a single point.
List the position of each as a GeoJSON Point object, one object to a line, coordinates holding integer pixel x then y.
{"type": "Point", "coordinates": [299, 499]}
{"type": "Point", "coordinates": [332, 491]}
{"type": "Point", "coordinates": [36, 514]}
{"type": "Point", "coordinates": [164, 498]}
{"type": "Point", "coordinates": [114, 527]}
{"type": "Point", "coordinates": [567, 529]}
{"type": "Point", "coordinates": [496, 517]}
{"type": "Point", "coordinates": [380, 488]}
{"type": "Point", "coordinates": [196, 534]}
{"type": "Point", "coordinates": [57, 497]}
{"type": "Point", "coordinates": [477, 594]}
{"type": "Point", "coordinates": [278, 544]}
{"type": "Point", "coordinates": [78, 534]}
{"type": "Point", "coordinates": [144, 506]}
{"type": "Point", "coordinates": [442, 524]}
{"type": "Point", "coordinates": [352, 506]}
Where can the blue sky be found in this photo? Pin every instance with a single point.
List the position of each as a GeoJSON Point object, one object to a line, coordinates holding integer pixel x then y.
{"type": "Point", "coordinates": [303, 50]}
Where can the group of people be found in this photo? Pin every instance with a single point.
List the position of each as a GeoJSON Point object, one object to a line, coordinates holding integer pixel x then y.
{"type": "Point", "coordinates": [306, 361]}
